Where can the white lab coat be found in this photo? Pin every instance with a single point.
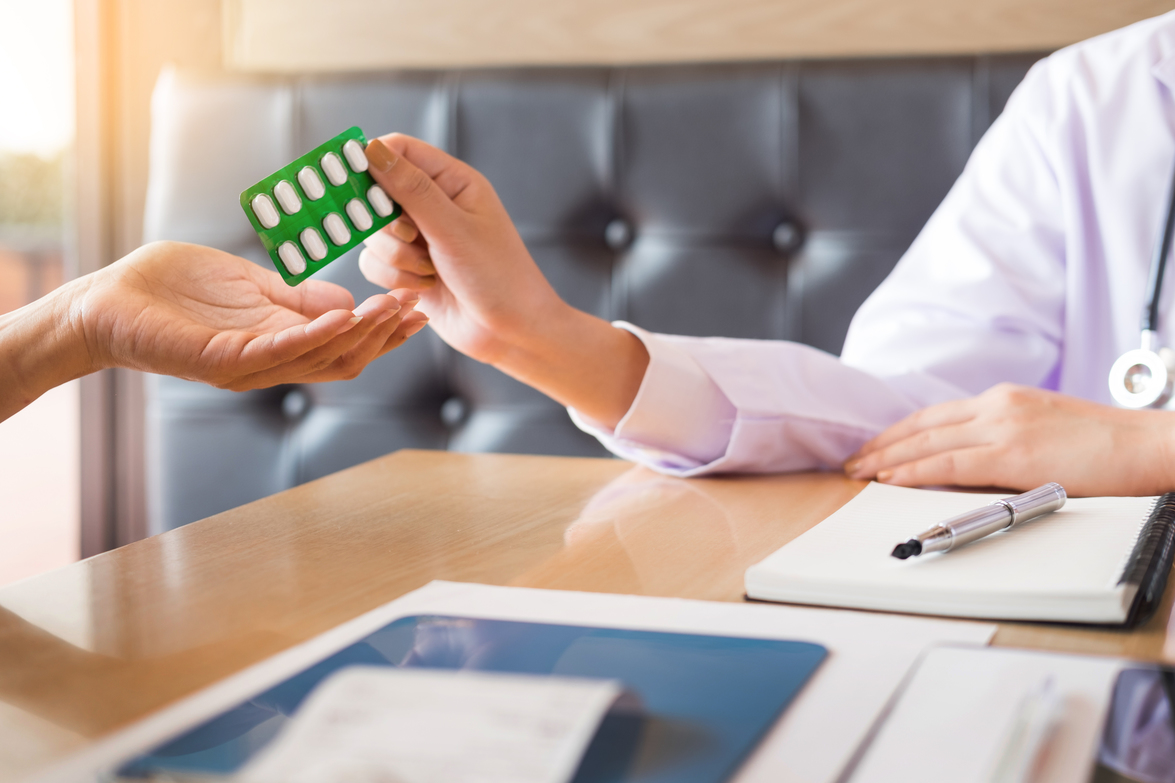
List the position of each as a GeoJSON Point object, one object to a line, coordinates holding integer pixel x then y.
{"type": "Point", "coordinates": [1032, 270]}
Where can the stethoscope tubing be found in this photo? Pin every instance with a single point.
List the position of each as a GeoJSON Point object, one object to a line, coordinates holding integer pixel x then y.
{"type": "Point", "coordinates": [1154, 287]}
{"type": "Point", "coordinates": [1145, 376]}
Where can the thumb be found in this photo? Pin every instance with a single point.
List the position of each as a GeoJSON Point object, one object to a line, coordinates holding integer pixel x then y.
{"type": "Point", "coordinates": [413, 187]}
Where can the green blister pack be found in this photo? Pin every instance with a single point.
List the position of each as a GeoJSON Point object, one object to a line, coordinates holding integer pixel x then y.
{"type": "Point", "coordinates": [315, 209]}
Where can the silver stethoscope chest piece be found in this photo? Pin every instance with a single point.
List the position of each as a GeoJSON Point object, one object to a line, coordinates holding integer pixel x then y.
{"type": "Point", "coordinates": [1144, 377]}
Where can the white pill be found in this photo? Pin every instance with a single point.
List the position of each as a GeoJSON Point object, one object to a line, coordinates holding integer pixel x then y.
{"type": "Point", "coordinates": [354, 155]}
{"type": "Point", "coordinates": [336, 229]}
{"type": "Point", "coordinates": [333, 167]}
{"type": "Point", "coordinates": [311, 183]}
{"type": "Point", "coordinates": [379, 201]}
{"type": "Point", "coordinates": [312, 242]}
{"type": "Point", "coordinates": [287, 197]}
{"type": "Point", "coordinates": [265, 211]}
{"type": "Point", "coordinates": [291, 256]}
{"type": "Point", "coordinates": [360, 217]}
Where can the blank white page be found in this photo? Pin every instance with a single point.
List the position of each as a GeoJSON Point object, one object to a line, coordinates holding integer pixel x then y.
{"type": "Point", "coordinates": [436, 726]}
{"type": "Point", "coordinates": [1078, 551]}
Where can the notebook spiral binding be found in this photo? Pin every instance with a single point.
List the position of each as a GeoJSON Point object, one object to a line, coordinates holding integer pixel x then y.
{"type": "Point", "coordinates": [1150, 560]}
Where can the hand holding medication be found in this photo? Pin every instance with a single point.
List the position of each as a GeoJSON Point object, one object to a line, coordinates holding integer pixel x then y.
{"type": "Point", "coordinates": [199, 314]}
{"type": "Point", "coordinates": [1020, 437]}
{"type": "Point", "coordinates": [487, 272]}
{"type": "Point", "coordinates": [488, 298]}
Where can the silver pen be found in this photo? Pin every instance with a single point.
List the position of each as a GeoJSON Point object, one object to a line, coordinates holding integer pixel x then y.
{"type": "Point", "coordinates": [1000, 515]}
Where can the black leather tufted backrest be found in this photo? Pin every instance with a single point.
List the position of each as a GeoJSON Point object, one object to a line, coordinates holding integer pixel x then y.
{"type": "Point", "coordinates": [748, 200]}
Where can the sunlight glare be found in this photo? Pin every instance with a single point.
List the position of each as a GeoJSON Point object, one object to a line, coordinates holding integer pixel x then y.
{"type": "Point", "coordinates": [36, 76]}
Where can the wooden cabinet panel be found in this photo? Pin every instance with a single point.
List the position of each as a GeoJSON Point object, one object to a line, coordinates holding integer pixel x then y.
{"type": "Point", "coordinates": [302, 35]}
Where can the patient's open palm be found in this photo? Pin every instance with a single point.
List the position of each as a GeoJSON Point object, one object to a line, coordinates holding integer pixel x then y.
{"type": "Point", "coordinates": [205, 315]}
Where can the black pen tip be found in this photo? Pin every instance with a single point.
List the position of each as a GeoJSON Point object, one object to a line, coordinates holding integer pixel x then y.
{"type": "Point", "coordinates": [908, 549]}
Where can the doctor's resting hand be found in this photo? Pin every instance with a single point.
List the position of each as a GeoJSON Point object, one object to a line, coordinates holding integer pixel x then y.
{"type": "Point", "coordinates": [1021, 437]}
{"type": "Point", "coordinates": [200, 314]}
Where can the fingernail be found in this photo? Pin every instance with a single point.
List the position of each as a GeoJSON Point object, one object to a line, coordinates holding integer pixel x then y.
{"type": "Point", "coordinates": [851, 467]}
{"type": "Point", "coordinates": [379, 156]}
{"type": "Point", "coordinates": [884, 475]}
{"type": "Point", "coordinates": [405, 232]}
{"type": "Point", "coordinates": [350, 324]}
{"type": "Point", "coordinates": [428, 281]}
{"type": "Point", "coordinates": [425, 268]}
{"type": "Point", "coordinates": [410, 299]}
{"type": "Point", "coordinates": [383, 318]}
{"type": "Point", "coordinates": [416, 327]}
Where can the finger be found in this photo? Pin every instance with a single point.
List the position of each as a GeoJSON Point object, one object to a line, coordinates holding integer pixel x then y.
{"type": "Point", "coordinates": [968, 467]}
{"type": "Point", "coordinates": [389, 336]}
{"type": "Point", "coordinates": [451, 175]}
{"type": "Point", "coordinates": [953, 412]}
{"type": "Point", "coordinates": [323, 356]}
{"type": "Point", "coordinates": [411, 258]}
{"type": "Point", "coordinates": [389, 277]}
{"type": "Point", "coordinates": [431, 206]}
{"type": "Point", "coordinates": [404, 229]}
{"type": "Point", "coordinates": [351, 364]}
{"type": "Point", "coordinates": [920, 445]}
{"type": "Point", "coordinates": [239, 353]}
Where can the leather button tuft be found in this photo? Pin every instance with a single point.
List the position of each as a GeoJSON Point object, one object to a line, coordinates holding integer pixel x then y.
{"type": "Point", "coordinates": [453, 411]}
{"type": "Point", "coordinates": [787, 237]}
{"type": "Point", "coordinates": [295, 404]}
{"type": "Point", "coordinates": [618, 234]}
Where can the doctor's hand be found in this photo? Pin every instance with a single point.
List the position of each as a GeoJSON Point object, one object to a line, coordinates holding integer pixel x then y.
{"type": "Point", "coordinates": [198, 314]}
{"type": "Point", "coordinates": [481, 290]}
{"type": "Point", "coordinates": [1020, 437]}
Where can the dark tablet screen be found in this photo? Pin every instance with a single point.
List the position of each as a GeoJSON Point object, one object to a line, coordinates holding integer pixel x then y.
{"type": "Point", "coordinates": [707, 700]}
{"type": "Point", "coordinates": [1138, 740]}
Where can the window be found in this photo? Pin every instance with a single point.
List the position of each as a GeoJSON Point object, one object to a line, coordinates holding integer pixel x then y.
{"type": "Point", "coordinates": [39, 470]}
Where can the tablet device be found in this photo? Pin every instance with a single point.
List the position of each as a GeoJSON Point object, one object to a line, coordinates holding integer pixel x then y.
{"type": "Point", "coordinates": [1138, 739]}
{"type": "Point", "coordinates": [706, 700]}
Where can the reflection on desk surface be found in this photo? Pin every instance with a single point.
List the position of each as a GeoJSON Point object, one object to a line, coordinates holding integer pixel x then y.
{"type": "Point", "coordinates": [649, 534]}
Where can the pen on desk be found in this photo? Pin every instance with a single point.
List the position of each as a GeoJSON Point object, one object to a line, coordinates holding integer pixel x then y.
{"type": "Point", "coordinates": [973, 525]}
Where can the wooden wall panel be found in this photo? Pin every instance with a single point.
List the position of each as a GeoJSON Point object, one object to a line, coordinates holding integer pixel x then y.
{"type": "Point", "coordinates": [306, 35]}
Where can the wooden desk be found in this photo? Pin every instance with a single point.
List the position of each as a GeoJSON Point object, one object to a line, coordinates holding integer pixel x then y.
{"type": "Point", "coordinates": [88, 648]}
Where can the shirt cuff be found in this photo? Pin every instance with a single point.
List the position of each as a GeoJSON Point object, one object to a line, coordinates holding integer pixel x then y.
{"type": "Point", "coordinates": [680, 420]}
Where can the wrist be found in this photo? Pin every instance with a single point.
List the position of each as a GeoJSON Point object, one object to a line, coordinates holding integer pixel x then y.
{"type": "Point", "coordinates": [42, 345]}
{"type": "Point", "coordinates": [1163, 449]}
{"type": "Point", "coordinates": [581, 361]}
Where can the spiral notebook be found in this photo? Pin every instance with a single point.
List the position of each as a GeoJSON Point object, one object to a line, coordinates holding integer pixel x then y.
{"type": "Point", "coordinates": [1097, 560]}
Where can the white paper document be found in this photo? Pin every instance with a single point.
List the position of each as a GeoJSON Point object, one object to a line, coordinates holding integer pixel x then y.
{"type": "Point", "coordinates": [383, 725]}
{"type": "Point", "coordinates": [957, 716]}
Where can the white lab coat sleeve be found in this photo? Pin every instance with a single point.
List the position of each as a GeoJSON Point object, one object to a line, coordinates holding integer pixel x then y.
{"type": "Point", "coordinates": [978, 299]}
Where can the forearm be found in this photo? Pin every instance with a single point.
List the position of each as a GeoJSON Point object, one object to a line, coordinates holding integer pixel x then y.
{"type": "Point", "coordinates": [581, 361]}
{"type": "Point", "coordinates": [41, 346]}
